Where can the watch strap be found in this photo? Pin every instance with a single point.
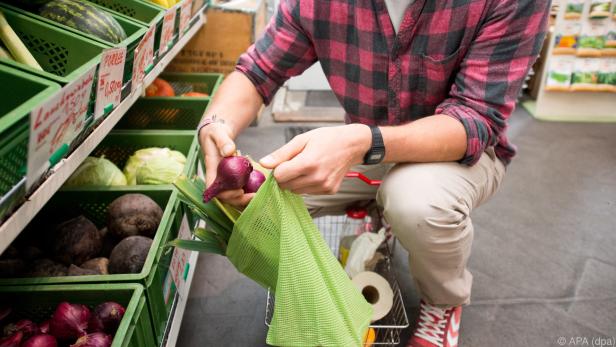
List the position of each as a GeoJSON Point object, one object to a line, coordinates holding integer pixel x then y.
{"type": "Point", "coordinates": [376, 154]}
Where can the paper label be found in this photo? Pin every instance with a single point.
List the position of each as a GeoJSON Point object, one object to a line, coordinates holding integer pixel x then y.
{"type": "Point", "coordinates": [144, 57]}
{"type": "Point", "coordinates": [185, 14]}
{"type": "Point", "coordinates": [166, 35]}
{"type": "Point", "coordinates": [109, 85]}
{"type": "Point", "coordinates": [54, 124]}
{"type": "Point", "coordinates": [179, 259]}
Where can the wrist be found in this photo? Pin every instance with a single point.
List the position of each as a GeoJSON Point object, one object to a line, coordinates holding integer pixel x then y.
{"type": "Point", "coordinates": [362, 141]}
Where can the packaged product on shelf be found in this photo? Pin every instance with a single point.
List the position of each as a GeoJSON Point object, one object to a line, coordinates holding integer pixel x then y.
{"type": "Point", "coordinates": [592, 40]}
{"type": "Point", "coordinates": [600, 9]}
{"type": "Point", "coordinates": [607, 75]}
{"type": "Point", "coordinates": [567, 36]}
{"type": "Point", "coordinates": [574, 9]}
{"type": "Point", "coordinates": [585, 75]}
{"type": "Point", "coordinates": [610, 41]}
{"type": "Point", "coordinates": [559, 73]}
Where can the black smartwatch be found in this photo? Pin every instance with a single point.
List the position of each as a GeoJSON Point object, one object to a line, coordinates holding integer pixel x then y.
{"type": "Point", "coordinates": [376, 154]}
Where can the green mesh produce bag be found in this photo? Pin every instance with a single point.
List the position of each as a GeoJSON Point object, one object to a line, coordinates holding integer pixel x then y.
{"type": "Point", "coordinates": [276, 243]}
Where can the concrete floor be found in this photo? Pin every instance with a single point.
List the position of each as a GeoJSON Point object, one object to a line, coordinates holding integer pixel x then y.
{"type": "Point", "coordinates": [544, 256]}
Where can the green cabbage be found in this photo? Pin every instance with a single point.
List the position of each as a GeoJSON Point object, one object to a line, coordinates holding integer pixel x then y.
{"type": "Point", "coordinates": [154, 166]}
{"type": "Point", "coordinates": [96, 172]}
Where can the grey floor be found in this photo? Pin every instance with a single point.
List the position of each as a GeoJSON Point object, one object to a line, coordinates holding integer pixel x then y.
{"type": "Point", "coordinates": [544, 256]}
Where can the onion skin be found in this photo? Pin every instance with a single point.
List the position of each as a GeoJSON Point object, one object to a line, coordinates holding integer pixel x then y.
{"type": "Point", "coordinates": [93, 340]}
{"type": "Point", "coordinates": [69, 321]}
{"type": "Point", "coordinates": [42, 340]}
{"type": "Point", "coordinates": [255, 180]}
{"type": "Point", "coordinates": [13, 340]}
{"type": "Point", "coordinates": [232, 173]}
{"type": "Point", "coordinates": [106, 317]}
{"type": "Point", "coordinates": [27, 327]}
{"type": "Point", "coordinates": [44, 327]}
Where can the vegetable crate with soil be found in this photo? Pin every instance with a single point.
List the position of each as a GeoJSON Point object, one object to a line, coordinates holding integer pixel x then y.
{"type": "Point", "coordinates": [100, 236]}
{"type": "Point", "coordinates": [27, 92]}
{"type": "Point", "coordinates": [119, 30]}
{"type": "Point", "coordinates": [99, 315]}
{"type": "Point", "coordinates": [164, 114]}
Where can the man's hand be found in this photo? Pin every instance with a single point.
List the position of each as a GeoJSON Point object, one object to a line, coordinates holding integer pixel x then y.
{"type": "Point", "coordinates": [316, 162]}
{"type": "Point", "coordinates": [216, 143]}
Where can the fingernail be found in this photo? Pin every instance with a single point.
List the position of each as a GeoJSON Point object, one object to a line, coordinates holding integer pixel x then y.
{"type": "Point", "coordinates": [267, 161]}
{"type": "Point", "coordinates": [227, 149]}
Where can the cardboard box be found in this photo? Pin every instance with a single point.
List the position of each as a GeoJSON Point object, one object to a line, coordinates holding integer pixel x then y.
{"type": "Point", "coordinates": [230, 29]}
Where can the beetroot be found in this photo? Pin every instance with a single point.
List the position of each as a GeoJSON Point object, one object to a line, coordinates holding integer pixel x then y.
{"type": "Point", "coordinates": [106, 317]}
{"type": "Point", "coordinates": [41, 340]}
{"type": "Point", "coordinates": [13, 340]}
{"type": "Point", "coordinates": [69, 321]}
{"type": "Point", "coordinates": [93, 340]}
{"type": "Point", "coordinates": [232, 173]}
{"type": "Point", "coordinates": [255, 180]}
{"type": "Point", "coordinates": [27, 327]}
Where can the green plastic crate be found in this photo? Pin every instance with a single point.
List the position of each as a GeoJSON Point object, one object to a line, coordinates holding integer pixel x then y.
{"type": "Point", "coordinates": [21, 94]}
{"type": "Point", "coordinates": [165, 113]}
{"type": "Point", "coordinates": [63, 55]}
{"type": "Point", "coordinates": [192, 82]}
{"type": "Point", "coordinates": [141, 12]}
{"type": "Point", "coordinates": [39, 302]}
{"type": "Point", "coordinates": [134, 32]}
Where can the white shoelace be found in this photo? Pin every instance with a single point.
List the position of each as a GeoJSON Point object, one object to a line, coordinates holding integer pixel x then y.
{"type": "Point", "coordinates": [431, 324]}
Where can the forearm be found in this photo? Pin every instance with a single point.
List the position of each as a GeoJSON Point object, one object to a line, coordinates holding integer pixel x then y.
{"type": "Point", "coordinates": [237, 102]}
{"type": "Point", "coordinates": [429, 139]}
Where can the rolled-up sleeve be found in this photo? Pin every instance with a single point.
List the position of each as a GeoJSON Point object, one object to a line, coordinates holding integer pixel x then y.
{"type": "Point", "coordinates": [491, 74]}
{"type": "Point", "coordinates": [282, 52]}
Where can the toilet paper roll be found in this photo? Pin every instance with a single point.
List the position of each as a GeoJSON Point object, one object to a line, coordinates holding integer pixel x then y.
{"type": "Point", "coordinates": [377, 292]}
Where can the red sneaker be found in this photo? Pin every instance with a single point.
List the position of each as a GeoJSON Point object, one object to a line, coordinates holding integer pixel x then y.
{"type": "Point", "coordinates": [436, 327]}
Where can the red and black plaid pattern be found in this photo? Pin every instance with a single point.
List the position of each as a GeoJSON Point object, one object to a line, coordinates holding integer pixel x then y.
{"type": "Point", "coordinates": [462, 58]}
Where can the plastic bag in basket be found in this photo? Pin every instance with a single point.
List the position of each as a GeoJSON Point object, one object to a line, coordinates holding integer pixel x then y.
{"type": "Point", "coordinates": [276, 243]}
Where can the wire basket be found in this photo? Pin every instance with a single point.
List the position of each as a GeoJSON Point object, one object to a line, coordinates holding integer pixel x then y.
{"type": "Point", "coordinates": [388, 328]}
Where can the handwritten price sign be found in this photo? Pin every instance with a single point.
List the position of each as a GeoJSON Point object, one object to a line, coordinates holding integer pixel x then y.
{"type": "Point", "coordinates": [54, 124]}
{"type": "Point", "coordinates": [166, 35]}
{"type": "Point", "coordinates": [144, 57]}
{"type": "Point", "coordinates": [109, 85]}
{"type": "Point", "coordinates": [185, 14]}
{"type": "Point", "coordinates": [180, 258]}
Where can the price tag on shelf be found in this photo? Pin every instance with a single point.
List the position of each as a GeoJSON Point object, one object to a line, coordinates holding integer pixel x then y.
{"type": "Point", "coordinates": [54, 124]}
{"type": "Point", "coordinates": [166, 36]}
{"type": "Point", "coordinates": [109, 85]}
{"type": "Point", "coordinates": [179, 260]}
{"type": "Point", "coordinates": [143, 58]}
{"type": "Point", "coordinates": [185, 14]}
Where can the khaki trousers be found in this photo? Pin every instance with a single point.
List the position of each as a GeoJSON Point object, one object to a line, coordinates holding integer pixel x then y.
{"type": "Point", "coordinates": [428, 206]}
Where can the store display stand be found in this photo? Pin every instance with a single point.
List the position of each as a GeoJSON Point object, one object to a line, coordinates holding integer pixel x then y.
{"type": "Point", "coordinates": [572, 106]}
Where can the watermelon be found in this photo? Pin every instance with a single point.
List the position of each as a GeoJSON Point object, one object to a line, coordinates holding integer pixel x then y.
{"type": "Point", "coordinates": [85, 18]}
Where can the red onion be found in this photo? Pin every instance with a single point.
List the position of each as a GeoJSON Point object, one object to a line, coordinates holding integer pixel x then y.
{"type": "Point", "coordinates": [41, 340]}
{"type": "Point", "coordinates": [27, 327]}
{"type": "Point", "coordinates": [44, 327]}
{"type": "Point", "coordinates": [232, 173]}
{"type": "Point", "coordinates": [93, 340]}
{"type": "Point", "coordinates": [255, 180]}
{"type": "Point", "coordinates": [69, 321]}
{"type": "Point", "coordinates": [106, 317]}
{"type": "Point", "coordinates": [13, 340]}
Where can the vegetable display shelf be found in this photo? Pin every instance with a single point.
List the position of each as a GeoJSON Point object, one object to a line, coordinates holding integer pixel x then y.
{"type": "Point", "coordinates": [39, 302]}
{"type": "Point", "coordinates": [134, 32]}
{"type": "Point", "coordinates": [59, 173]}
{"type": "Point", "coordinates": [26, 92]}
{"type": "Point", "coordinates": [182, 83]}
{"type": "Point", "coordinates": [165, 113]}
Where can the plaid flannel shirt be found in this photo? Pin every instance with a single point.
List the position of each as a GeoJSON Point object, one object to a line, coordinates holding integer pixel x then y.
{"type": "Point", "coordinates": [462, 58]}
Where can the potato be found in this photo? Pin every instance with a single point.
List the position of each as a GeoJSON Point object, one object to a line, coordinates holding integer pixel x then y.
{"type": "Point", "coordinates": [75, 270]}
{"type": "Point", "coordinates": [129, 255]}
{"type": "Point", "coordinates": [76, 241]}
{"type": "Point", "coordinates": [109, 241]}
{"type": "Point", "coordinates": [47, 268]}
{"type": "Point", "coordinates": [99, 265]}
{"type": "Point", "coordinates": [31, 253]}
{"type": "Point", "coordinates": [133, 214]}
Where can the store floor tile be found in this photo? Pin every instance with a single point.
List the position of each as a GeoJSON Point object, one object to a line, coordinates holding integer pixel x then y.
{"type": "Point", "coordinates": [544, 256]}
